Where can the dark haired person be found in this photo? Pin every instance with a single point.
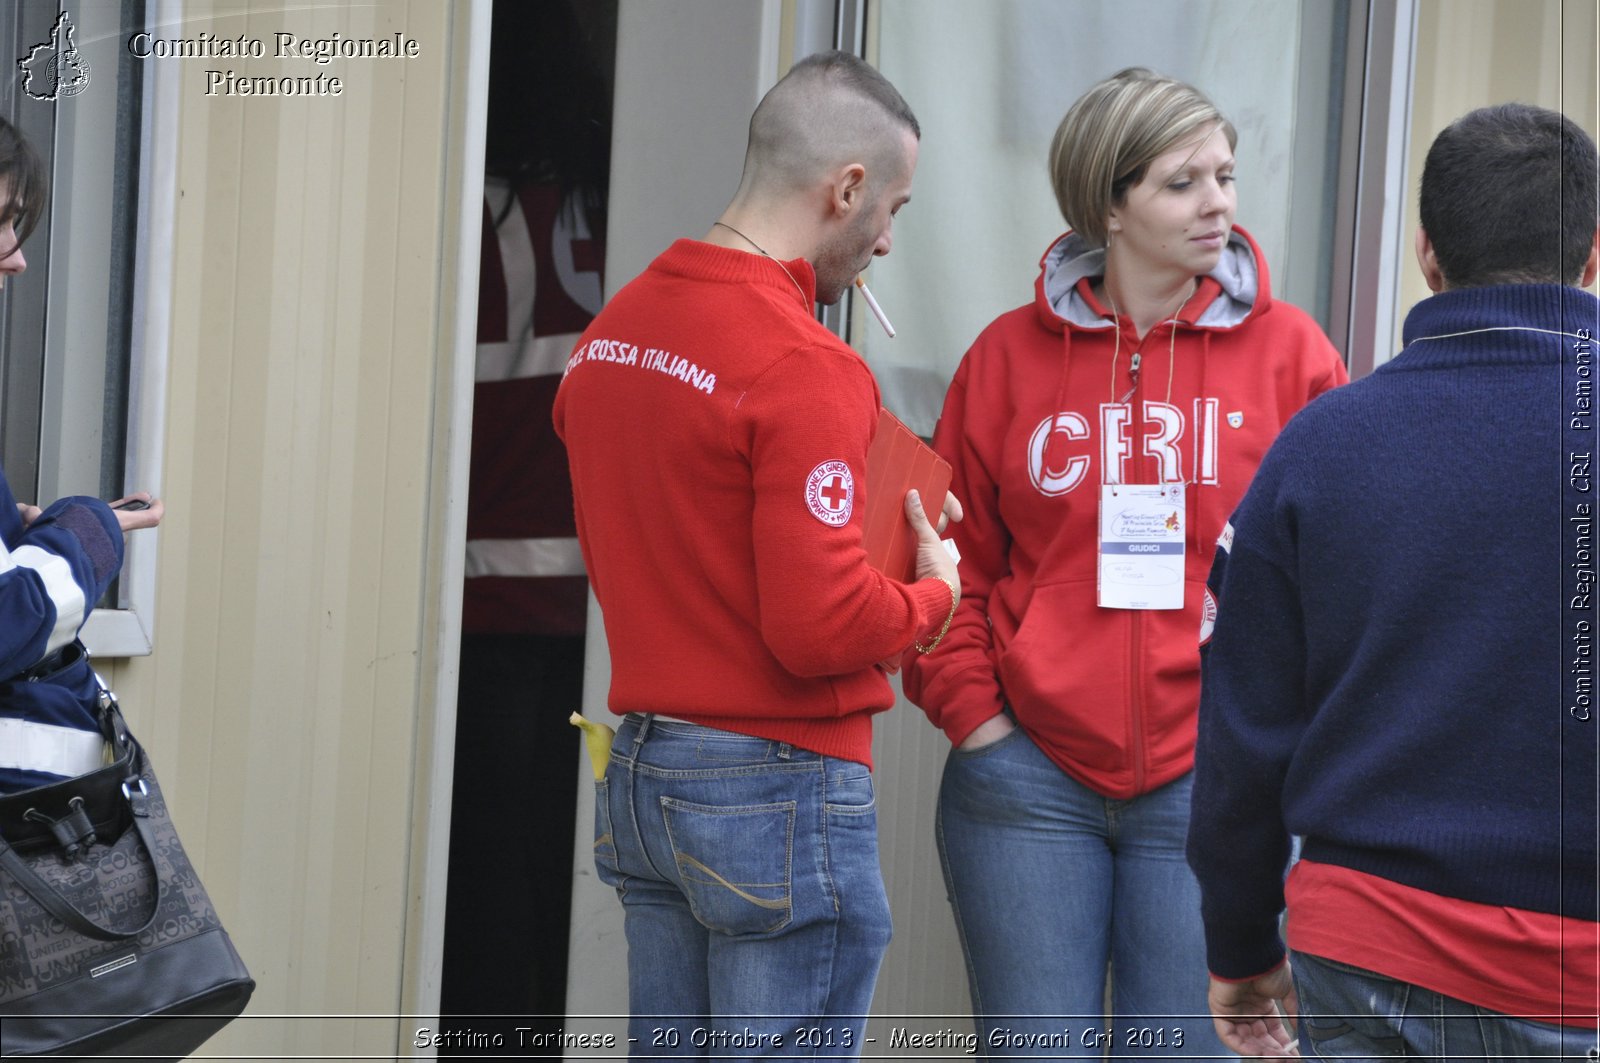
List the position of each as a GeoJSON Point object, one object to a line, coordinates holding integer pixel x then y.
{"type": "Point", "coordinates": [717, 436]}
{"type": "Point", "coordinates": [1388, 675]}
{"type": "Point", "coordinates": [55, 563]}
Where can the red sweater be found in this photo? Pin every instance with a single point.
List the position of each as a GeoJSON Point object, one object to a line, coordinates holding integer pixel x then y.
{"type": "Point", "coordinates": [1030, 420]}
{"type": "Point", "coordinates": [717, 436]}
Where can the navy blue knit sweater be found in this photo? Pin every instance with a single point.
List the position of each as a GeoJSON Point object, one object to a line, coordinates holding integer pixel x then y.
{"type": "Point", "coordinates": [1400, 666]}
{"type": "Point", "coordinates": [51, 574]}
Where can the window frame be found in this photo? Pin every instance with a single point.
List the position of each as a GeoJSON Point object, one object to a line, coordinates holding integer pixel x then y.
{"type": "Point", "coordinates": [128, 629]}
{"type": "Point", "coordinates": [1371, 246]}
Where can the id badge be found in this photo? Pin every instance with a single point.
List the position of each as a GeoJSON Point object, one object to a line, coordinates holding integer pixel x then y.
{"type": "Point", "coordinates": [1141, 546]}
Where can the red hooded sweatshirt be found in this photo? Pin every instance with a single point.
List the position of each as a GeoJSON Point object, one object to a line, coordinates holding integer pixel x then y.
{"type": "Point", "coordinates": [1034, 417]}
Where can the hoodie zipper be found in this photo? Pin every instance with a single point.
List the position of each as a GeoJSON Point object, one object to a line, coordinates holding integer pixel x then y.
{"type": "Point", "coordinates": [1136, 622]}
{"type": "Point", "coordinates": [1135, 643]}
{"type": "Point", "coordinates": [1147, 474]}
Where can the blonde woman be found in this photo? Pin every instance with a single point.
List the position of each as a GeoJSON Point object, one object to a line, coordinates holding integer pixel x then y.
{"type": "Point", "coordinates": [1101, 435]}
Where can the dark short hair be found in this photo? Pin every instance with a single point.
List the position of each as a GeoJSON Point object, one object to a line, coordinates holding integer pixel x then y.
{"type": "Point", "coordinates": [1509, 197]}
{"type": "Point", "coordinates": [859, 76]}
{"type": "Point", "coordinates": [22, 180]}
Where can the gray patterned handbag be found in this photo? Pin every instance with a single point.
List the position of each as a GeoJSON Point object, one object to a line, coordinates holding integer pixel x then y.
{"type": "Point", "coordinates": [108, 942]}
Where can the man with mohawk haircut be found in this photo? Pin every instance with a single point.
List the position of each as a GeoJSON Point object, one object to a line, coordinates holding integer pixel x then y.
{"type": "Point", "coordinates": [717, 436]}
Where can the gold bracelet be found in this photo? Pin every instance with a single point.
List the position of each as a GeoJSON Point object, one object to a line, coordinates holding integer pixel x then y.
{"type": "Point", "coordinates": [955, 597]}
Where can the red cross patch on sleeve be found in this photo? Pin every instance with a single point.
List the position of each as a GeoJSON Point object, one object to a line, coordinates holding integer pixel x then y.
{"type": "Point", "coordinates": [831, 493]}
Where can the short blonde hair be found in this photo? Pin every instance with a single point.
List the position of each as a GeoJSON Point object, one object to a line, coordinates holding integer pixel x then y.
{"type": "Point", "coordinates": [1109, 138]}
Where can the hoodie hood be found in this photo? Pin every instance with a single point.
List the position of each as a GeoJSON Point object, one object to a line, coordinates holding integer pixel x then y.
{"type": "Point", "coordinates": [1241, 289]}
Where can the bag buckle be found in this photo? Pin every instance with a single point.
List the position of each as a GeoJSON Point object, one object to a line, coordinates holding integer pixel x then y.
{"type": "Point", "coordinates": [108, 700]}
{"type": "Point", "coordinates": [138, 800]}
{"type": "Point", "coordinates": [74, 832]}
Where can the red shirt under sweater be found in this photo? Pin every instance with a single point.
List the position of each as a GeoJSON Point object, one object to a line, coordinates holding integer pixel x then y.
{"type": "Point", "coordinates": [1534, 965]}
{"type": "Point", "coordinates": [717, 436]}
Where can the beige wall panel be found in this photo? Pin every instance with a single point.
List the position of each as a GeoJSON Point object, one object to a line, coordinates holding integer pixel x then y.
{"type": "Point", "coordinates": [449, 474]}
{"type": "Point", "coordinates": [923, 971]}
{"type": "Point", "coordinates": [283, 697]}
{"type": "Point", "coordinates": [1474, 53]}
{"type": "Point", "coordinates": [1580, 75]}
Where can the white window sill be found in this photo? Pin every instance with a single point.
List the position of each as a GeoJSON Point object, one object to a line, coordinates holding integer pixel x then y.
{"type": "Point", "coordinates": [116, 633]}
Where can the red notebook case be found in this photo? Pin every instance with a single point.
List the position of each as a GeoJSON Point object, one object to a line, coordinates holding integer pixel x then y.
{"type": "Point", "coordinates": [898, 461]}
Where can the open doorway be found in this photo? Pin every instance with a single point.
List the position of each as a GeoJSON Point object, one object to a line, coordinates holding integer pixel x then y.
{"type": "Point", "coordinates": [547, 162]}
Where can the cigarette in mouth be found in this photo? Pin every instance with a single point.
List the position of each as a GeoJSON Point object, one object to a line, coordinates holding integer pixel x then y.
{"type": "Point", "coordinates": [872, 304]}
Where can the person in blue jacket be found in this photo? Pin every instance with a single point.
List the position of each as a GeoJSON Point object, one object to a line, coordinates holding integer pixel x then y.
{"type": "Point", "coordinates": [55, 563]}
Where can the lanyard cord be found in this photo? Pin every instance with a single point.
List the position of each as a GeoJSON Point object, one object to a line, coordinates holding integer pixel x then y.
{"type": "Point", "coordinates": [1133, 363]}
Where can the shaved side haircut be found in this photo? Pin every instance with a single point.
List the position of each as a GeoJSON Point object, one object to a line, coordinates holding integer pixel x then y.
{"type": "Point", "coordinates": [832, 108]}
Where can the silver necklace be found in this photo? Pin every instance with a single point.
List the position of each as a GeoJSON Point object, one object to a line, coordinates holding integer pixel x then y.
{"type": "Point", "coordinates": [766, 254]}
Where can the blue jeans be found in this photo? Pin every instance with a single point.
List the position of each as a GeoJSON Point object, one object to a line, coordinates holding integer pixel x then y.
{"type": "Point", "coordinates": [1349, 1013]}
{"type": "Point", "coordinates": [1050, 882]}
{"type": "Point", "coordinates": [752, 897]}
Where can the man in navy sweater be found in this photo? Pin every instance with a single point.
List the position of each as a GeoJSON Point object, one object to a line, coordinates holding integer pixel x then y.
{"type": "Point", "coordinates": [1400, 669]}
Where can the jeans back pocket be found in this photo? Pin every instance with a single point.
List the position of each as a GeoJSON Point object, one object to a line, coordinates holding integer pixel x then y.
{"type": "Point", "coordinates": [734, 864]}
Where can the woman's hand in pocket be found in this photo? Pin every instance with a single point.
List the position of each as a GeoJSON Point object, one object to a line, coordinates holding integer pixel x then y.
{"type": "Point", "coordinates": [988, 733]}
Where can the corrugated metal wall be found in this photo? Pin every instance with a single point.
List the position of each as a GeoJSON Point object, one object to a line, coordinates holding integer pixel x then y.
{"type": "Point", "coordinates": [293, 670]}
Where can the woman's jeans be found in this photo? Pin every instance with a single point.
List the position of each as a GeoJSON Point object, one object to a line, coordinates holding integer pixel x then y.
{"type": "Point", "coordinates": [1350, 1013]}
{"type": "Point", "coordinates": [752, 896]}
{"type": "Point", "coordinates": [1050, 882]}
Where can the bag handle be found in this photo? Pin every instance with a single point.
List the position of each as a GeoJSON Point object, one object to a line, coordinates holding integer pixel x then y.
{"type": "Point", "coordinates": [62, 908]}
{"type": "Point", "coordinates": [138, 795]}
